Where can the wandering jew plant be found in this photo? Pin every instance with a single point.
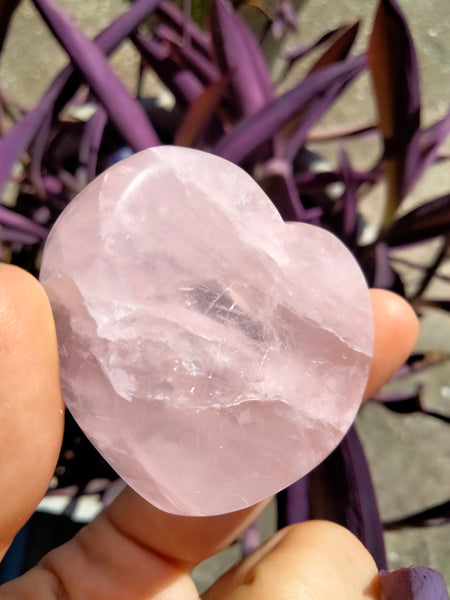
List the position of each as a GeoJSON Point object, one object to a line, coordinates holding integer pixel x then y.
{"type": "Point", "coordinates": [225, 102]}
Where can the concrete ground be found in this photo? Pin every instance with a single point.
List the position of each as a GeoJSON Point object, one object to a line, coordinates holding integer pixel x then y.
{"type": "Point", "coordinates": [409, 455]}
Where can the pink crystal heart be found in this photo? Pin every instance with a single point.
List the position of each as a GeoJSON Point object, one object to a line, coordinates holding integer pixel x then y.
{"type": "Point", "coordinates": [212, 353]}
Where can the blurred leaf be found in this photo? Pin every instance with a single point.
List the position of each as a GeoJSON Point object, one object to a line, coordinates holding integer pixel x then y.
{"type": "Point", "coordinates": [176, 19]}
{"type": "Point", "coordinates": [7, 8]}
{"type": "Point", "coordinates": [434, 303]}
{"type": "Point", "coordinates": [350, 217]}
{"type": "Point", "coordinates": [15, 142]}
{"type": "Point", "coordinates": [14, 221]}
{"type": "Point", "coordinates": [200, 112]}
{"type": "Point", "coordinates": [413, 583]}
{"type": "Point", "coordinates": [430, 517]}
{"type": "Point", "coordinates": [276, 179]}
{"type": "Point", "coordinates": [13, 235]}
{"type": "Point", "coordinates": [293, 504]}
{"type": "Point", "coordinates": [422, 223]}
{"type": "Point", "coordinates": [341, 44]}
{"type": "Point", "coordinates": [37, 152]}
{"type": "Point", "coordinates": [310, 181]}
{"type": "Point", "coordinates": [340, 490]}
{"type": "Point", "coordinates": [432, 268]}
{"type": "Point", "coordinates": [91, 141]}
{"type": "Point", "coordinates": [298, 129]}
{"type": "Point", "coordinates": [395, 78]}
{"type": "Point", "coordinates": [408, 403]}
{"type": "Point", "coordinates": [251, 132]}
{"type": "Point", "coordinates": [239, 54]}
{"type": "Point", "coordinates": [401, 402]}
{"type": "Point", "coordinates": [418, 362]}
{"type": "Point", "coordinates": [384, 274]}
{"type": "Point", "coordinates": [123, 109]}
{"type": "Point", "coordinates": [293, 56]}
{"type": "Point", "coordinates": [427, 142]}
{"type": "Point", "coordinates": [341, 132]}
{"type": "Point", "coordinates": [189, 57]}
{"type": "Point", "coordinates": [182, 83]}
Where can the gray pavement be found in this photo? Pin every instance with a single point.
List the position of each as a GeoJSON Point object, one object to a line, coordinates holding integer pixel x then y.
{"type": "Point", "coordinates": [409, 456]}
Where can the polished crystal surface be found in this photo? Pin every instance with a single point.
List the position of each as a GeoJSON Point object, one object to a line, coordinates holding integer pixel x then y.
{"type": "Point", "coordinates": [211, 352]}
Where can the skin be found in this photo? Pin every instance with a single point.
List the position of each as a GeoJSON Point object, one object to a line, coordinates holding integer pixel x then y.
{"type": "Point", "coordinates": [132, 550]}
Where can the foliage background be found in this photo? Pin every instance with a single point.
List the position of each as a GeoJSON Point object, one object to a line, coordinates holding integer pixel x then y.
{"type": "Point", "coordinates": [412, 449]}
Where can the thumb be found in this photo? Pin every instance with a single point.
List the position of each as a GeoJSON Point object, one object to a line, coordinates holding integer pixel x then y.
{"type": "Point", "coordinates": [313, 559]}
{"type": "Point", "coordinates": [31, 408]}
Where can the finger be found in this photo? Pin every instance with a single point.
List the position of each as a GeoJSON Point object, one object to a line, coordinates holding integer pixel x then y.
{"type": "Point", "coordinates": [131, 551]}
{"type": "Point", "coordinates": [315, 559]}
{"type": "Point", "coordinates": [396, 329]}
{"type": "Point", "coordinates": [31, 411]}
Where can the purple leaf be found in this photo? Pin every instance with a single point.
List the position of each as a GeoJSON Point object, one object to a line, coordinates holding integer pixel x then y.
{"type": "Point", "coordinates": [200, 112]}
{"type": "Point", "coordinates": [312, 114]}
{"type": "Point", "coordinates": [200, 65]}
{"type": "Point", "coordinates": [384, 275]}
{"type": "Point", "coordinates": [414, 583]}
{"type": "Point", "coordinates": [109, 39]}
{"type": "Point", "coordinates": [294, 55]}
{"type": "Point", "coordinates": [341, 132]}
{"type": "Point", "coordinates": [13, 220]}
{"type": "Point", "coordinates": [422, 223]}
{"type": "Point", "coordinates": [256, 129]}
{"type": "Point", "coordinates": [434, 303]}
{"type": "Point", "coordinates": [430, 517]}
{"type": "Point", "coordinates": [402, 403]}
{"type": "Point", "coordinates": [311, 181]}
{"type": "Point", "coordinates": [424, 151]}
{"type": "Point", "coordinates": [375, 261]}
{"type": "Point", "coordinates": [170, 14]}
{"type": "Point", "coordinates": [183, 84]}
{"type": "Point", "coordinates": [20, 136]}
{"type": "Point", "coordinates": [395, 78]}
{"type": "Point", "coordinates": [123, 109]}
{"type": "Point", "coordinates": [281, 17]}
{"type": "Point", "coordinates": [349, 199]}
{"type": "Point", "coordinates": [341, 490]}
{"type": "Point", "coordinates": [38, 149]}
{"type": "Point", "coordinates": [341, 44]}
{"type": "Point", "coordinates": [432, 268]}
{"type": "Point", "coordinates": [276, 178]}
{"type": "Point", "coordinates": [13, 235]}
{"type": "Point", "coordinates": [239, 54]}
{"type": "Point", "coordinates": [293, 504]}
{"type": "Point", "coordinates": [415, 363]}
{"type": "Point", "coordinates": [90, 142]}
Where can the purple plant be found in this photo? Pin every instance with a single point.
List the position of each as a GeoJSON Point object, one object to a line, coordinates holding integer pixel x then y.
{"type": "Point", "coordinates": [225, 102]}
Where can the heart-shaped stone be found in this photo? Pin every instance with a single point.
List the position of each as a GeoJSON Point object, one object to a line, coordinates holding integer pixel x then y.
{"type": "Point", "coordinates": [211, 352]}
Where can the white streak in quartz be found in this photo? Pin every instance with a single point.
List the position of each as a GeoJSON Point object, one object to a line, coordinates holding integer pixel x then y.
{"type": "Point", "coordinates": [212, 353]}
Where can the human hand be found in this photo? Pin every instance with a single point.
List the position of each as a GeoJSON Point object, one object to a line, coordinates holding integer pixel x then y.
{"type": "Point", "coordinates": [132, 550]}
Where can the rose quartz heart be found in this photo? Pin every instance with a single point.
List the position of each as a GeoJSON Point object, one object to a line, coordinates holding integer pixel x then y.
{"type": "Point", "coordinates": [212, 353]}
